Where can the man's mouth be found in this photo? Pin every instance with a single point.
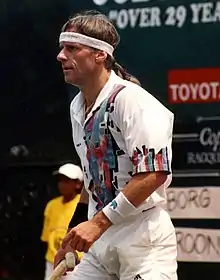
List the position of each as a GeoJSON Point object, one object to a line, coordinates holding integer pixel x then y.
{"type": "Point", "coordinates": [65, 68]}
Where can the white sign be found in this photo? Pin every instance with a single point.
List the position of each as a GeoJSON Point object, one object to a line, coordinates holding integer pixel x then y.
{"type": "Point", "coordinates": [138, 15]}
{"type": "Point", "coordinates": [198, 245]}
{"type": "Point", "coordinates": [193, 203]}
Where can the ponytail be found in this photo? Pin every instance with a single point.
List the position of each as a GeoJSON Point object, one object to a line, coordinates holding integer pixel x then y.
{"type": "Point", "coordinates": [122, 73]}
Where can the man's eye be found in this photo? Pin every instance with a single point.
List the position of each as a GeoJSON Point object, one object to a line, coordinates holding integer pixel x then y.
{"type": "Point", "coordinates": [71, 48]}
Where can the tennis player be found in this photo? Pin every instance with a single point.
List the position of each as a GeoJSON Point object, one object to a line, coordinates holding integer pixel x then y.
{"type": "Point", "coordinates": [123, 137]}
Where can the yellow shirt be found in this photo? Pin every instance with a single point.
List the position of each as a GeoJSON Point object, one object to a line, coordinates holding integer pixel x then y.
{"type": "Point", "coordinates": [57, 216]}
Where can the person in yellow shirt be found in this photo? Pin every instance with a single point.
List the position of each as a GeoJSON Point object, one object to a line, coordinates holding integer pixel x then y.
{"type": "Point", "coordinates": [59, 211]}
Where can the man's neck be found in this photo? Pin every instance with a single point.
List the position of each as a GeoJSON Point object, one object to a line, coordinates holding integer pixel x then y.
{"type": "Point", "coordinates": [92, 89]}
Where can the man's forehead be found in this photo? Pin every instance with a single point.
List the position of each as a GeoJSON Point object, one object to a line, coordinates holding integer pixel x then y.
{"type": "Point", "coordinates": [85, 41]}
{"type": "Point", "coordinates": [70, 44]}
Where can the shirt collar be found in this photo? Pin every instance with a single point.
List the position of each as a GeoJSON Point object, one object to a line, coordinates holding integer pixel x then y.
{"type": "Point", "coordinates": [77, 109]}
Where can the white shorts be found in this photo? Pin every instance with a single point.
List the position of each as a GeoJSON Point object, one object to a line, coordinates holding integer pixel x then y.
{"type": "Point", "coordinates": [49, 270]}
{"type": "Point", "coordinates": [143, 247]}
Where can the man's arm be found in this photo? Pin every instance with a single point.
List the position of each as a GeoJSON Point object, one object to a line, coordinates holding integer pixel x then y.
{"type": "Point", "coordinates": [140, 187]}
{"type": "Point", "coordinates": [79, 216]}
{"type": "Point", "coordinates": [146, 126]}
{"type": "Point", "coordinates": [81, 213]}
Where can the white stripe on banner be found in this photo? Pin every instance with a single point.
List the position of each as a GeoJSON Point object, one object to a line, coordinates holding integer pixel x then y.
{"type": "Point", "coordinates": [193, 202]}
{"type": "Point", "coordinates": [198, 245]}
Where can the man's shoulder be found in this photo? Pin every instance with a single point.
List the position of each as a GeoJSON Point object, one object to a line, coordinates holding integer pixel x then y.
{"type": "Point", "coordinates": [134, 94]}
{"type": "Point", "coordinates": [135, 98]}
{"type": "Point", "coordinates": [131, 91]}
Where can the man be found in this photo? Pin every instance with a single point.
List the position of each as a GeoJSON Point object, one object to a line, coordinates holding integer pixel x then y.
{"type": "Point", "coordinates": [123, 137]}
{"type": "Point", "coordinates": [59, 211]}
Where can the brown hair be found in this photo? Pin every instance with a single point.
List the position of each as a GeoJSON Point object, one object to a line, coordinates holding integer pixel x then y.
{"type": "Point", "coordinates": [96, 25]}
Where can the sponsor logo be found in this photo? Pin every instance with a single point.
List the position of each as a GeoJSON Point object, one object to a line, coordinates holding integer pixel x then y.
{"type": "Point", "coordinates": [194, 86]}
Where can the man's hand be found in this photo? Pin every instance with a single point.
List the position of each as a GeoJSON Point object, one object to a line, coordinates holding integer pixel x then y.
{"type": "Point", "coordinates": [82, 236]}
{"type": "Point", "coordinates": [60, 255]}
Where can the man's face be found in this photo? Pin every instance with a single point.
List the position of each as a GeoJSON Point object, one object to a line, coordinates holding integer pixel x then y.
{"type": "Point", "coordinates": [78, 62]}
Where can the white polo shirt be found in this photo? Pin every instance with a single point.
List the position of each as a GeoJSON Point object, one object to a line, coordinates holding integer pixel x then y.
{"type": "Point", "coordinates": [128, 131]}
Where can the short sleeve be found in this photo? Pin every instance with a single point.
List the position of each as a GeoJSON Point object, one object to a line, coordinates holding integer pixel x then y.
{"type": "Point", "coordinates": [146, 127]}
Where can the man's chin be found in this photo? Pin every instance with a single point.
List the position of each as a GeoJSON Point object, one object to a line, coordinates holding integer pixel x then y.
{"type": "Point", "coordinates": [70, 81]}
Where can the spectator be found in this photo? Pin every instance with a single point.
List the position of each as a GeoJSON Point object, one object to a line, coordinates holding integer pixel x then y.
{"type": "Point", "coordinates": [59, 212]}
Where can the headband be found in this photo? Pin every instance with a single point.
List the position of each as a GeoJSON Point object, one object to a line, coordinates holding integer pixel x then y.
{"type": "Point", "coordinates": [73, 37]}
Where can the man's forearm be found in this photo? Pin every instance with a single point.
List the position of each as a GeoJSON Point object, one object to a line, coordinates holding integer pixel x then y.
{"type": "Point", "coordinates": [142, 185]}
{"type": "Point", "coordinates": [81, 212]}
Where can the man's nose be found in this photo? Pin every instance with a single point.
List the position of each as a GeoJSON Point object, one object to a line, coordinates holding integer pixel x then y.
{"type": "Point", "coordinates": [61, 56]}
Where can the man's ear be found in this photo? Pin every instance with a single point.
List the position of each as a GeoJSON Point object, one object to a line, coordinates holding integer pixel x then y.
{"type": "Point", "coordinates": [100, 57]}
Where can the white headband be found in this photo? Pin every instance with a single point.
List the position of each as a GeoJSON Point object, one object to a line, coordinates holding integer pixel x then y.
{"type": "Point", "coordinates": [73, 37]}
